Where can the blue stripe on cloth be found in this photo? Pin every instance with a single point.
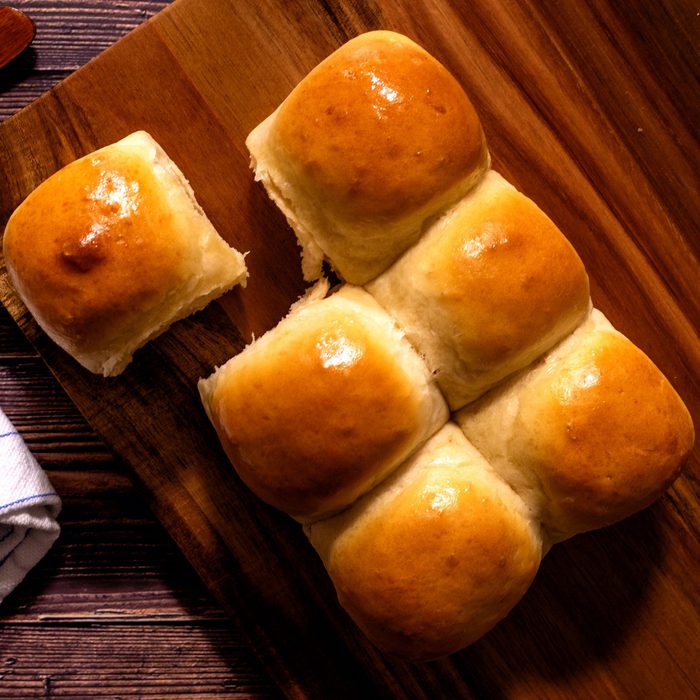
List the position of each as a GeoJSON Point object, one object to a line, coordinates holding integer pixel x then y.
{"type": "Point", "coordinates": [12, 432]}
{"type": "Point", "coordinates": [28, 498]}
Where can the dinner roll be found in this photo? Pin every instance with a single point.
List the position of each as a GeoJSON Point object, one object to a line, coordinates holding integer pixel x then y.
{"type": "Point", "coordinates": [490, 287]}
{"type": "Point", "coordinates": [591, 434]}
{"type": "Point", "coordinates": [435, 556]}
{"type": "Point", "coordinates": [112, 249]}
{"type": "Point", "coordinates": [323, 406]}
{"type": "Point", "coordinates": [369, 146]}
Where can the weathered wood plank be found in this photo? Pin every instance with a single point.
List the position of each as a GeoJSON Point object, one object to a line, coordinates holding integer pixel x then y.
{"type": "Point", "coordinates": [71, 32]}
{"type": "Point", "coordinates": [103, 660]}
{"type": "Point", "coordinates": [50, 424]}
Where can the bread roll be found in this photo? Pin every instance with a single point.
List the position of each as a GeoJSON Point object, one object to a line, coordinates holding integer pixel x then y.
{"type": "Point", "coordinates": [591, 434]}
{"type": "Point", "coordinates": [112, 249]}
{"type": "Point", "coordinates": [435, 556]}
{"type": "Point", "coordinates": [370, 145]}
{"type": "Point", "coordinates": [488, 288]}
{"type": "Point", "coordinates": [324, 405]}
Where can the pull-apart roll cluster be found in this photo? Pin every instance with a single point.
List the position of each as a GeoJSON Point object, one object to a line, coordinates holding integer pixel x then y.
{"type": "Point", "coordinates": [439, 429]}
{"type": "Point", "coordinates": [437, 420]}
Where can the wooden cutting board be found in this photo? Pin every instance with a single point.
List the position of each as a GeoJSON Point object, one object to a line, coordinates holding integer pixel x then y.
{"type": "Point", "coordinates": [589, 108]}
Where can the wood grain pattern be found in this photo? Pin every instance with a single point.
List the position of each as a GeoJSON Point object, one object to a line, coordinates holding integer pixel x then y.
{"type": "Point", "coordinates": [69, 34]}
{"type": "Point", "coordinates": [185, 650]}
{"type": "Point", "coordinates": [588, 110]}
{"type": "Point", "coordinates": [114, 590]}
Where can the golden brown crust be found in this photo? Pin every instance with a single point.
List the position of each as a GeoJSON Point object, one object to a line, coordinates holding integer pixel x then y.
{"type": "Point", "coordinates": [374, 143]}
{"type": "Point", "coordinates": [379, 128]}
{"type": "Point", "coordinates": [508, 277]}
{"type": "Point", "coordinates": [112, 249]}
{"type": "Point", "coordinates": [324, 410]}
{"type": "Point", "coordinates": [440, 560]}
{"type": "Point", "coordinates": [605, 432]}
{"type": "Point", "coordinates": [487, 290]}
{"type": "Point", "coordinates": [87, 262]}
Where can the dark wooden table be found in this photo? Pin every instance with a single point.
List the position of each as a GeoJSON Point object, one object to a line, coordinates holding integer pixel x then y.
{"type": "Point", "coordinates": [114, 610]}
{"type": "Point", "coordinates": [605, 91]}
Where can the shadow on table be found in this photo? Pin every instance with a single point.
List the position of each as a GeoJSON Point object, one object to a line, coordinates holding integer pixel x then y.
{"type": "Point", "coordinates": [18, 69]}
{"type": "Point", "coordinates": [581, 607]}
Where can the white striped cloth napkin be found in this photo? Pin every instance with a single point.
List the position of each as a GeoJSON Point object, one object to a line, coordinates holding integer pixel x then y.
{"type": "Point", "coordinates": [29, 507]}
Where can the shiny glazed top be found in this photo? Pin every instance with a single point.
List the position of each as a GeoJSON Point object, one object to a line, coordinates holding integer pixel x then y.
{"type": "Point", "coordinates": [379, 128]}
{"type": "Point", "coordinates": [504, 274]}
{"type": "Point", "coordinates": [327, 411]}
{"type": "Point", "coordinates": [439, 561]}
{"type": "Point", "coordinates": [605, 432]}
{"type": "Point", "coordinates": [89, 245]}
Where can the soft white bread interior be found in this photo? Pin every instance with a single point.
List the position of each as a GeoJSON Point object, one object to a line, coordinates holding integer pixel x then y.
{"type": "Point", "coordinates": [112, 249]}
{"type": "Point", "coordinates": [374, 142]}
{"type": "Point", "coordinates": [589, 435]}
{"type": "Point", "coordinates": [436, 555]}
{"type": "Point", "coordinates": [323, 406]}
{"type": "Point", "coordinates": [490, 287]}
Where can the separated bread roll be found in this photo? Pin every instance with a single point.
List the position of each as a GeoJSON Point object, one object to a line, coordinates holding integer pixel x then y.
{"type": "Point", "coordinates": [324, 405]}
{"type": "Point", "coordinates": [372, 143]}
{"type": "Point", "coordinates": [488, 288]}
{"type": "Point", "coordinates": [112, 249]}
{"type": "Point", "coordinates": [589, 435]}
{"type": "Point", "coordinates": [435, 556]}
